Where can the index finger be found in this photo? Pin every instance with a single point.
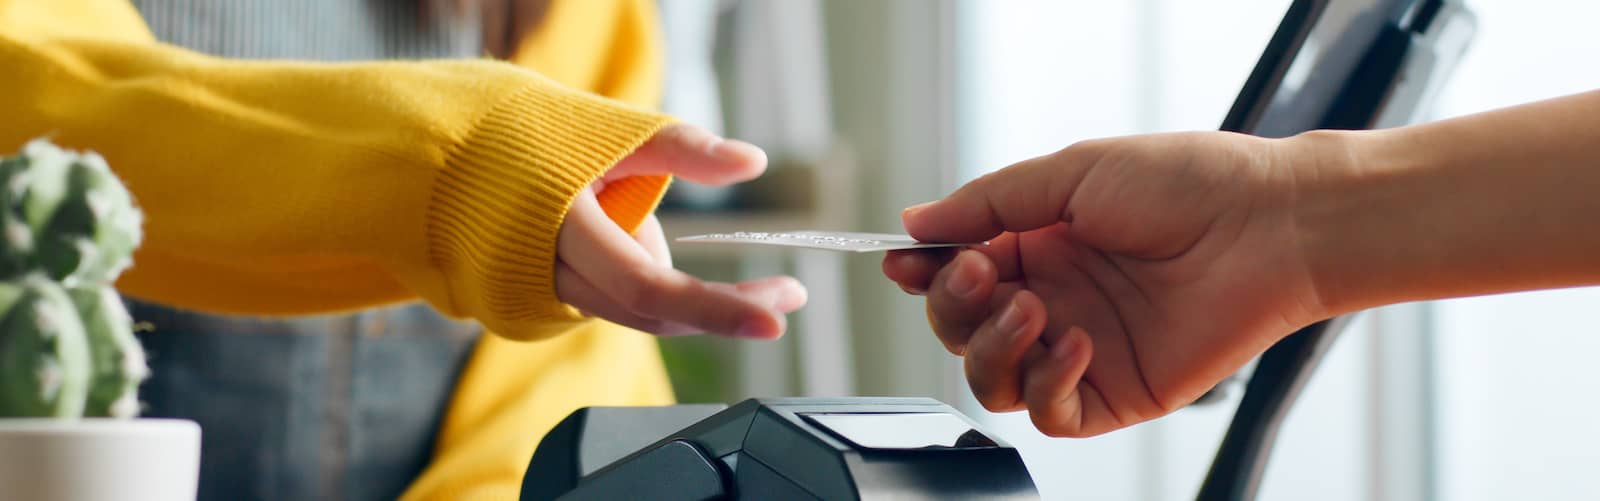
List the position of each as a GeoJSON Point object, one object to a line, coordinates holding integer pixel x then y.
{"type": "Point", "coordinates": [913, 269]}
{"type": "Point", "coordinates": [959, 299]}
{"type": "Point", "coordinates": [1027, 195]}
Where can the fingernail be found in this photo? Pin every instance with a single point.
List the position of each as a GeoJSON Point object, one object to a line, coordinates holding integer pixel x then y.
{"type": "Point", "coordinates": [726, 149]}
{"type": "Point", "coordinates": [1012, 319]}
{"type": "Point", "coordinates": [914, 209]}
{"type": "Point", "coordinates": [791, 299]}
{"type": "Point", "coordinates": [1068, 344]}
{"type": "Point", "coordinates": [714, 145]}
{"type": "Point", "coordinates": [962, 282]}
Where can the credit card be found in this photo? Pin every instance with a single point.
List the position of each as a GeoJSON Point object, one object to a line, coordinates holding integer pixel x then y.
{"type": "Point", "coordinates": [828, 240]}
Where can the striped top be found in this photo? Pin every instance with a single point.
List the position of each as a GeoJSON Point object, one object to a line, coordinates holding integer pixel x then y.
{"type": "Point", "coordinates": [327, 30]}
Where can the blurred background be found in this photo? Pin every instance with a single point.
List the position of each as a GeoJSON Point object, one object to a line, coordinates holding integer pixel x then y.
{"type": "Point", "coordinates": [868, 106]}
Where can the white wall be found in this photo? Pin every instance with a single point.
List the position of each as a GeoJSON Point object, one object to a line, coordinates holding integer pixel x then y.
{"type": "Point", "coordinates": [1517, 397]}
{"type": "Point", "coordinates": [1041, 74]}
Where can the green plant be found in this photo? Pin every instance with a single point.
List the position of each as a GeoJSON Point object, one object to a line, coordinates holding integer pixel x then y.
{"type": "Point", "coordinates": [67, 229]}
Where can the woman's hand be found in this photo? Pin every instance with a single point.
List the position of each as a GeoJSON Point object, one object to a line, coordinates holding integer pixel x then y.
{"type": "Point", "coordinates": [629, 279]}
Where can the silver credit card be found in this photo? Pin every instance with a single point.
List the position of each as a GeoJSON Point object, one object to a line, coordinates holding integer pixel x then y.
{"type": "Point", "coordinates": [828, 240]}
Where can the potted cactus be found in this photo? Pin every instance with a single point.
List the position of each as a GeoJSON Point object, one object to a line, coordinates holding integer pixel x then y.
{"type": "Point", "coordinates": [70, 366]}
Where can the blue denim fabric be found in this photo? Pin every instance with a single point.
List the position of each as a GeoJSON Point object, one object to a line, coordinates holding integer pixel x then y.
{"type": "Point", "coordinates": [322, 407]}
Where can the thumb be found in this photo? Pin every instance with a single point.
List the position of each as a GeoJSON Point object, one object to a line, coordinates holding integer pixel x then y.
{"type": "Point", "coordinates": [1027, 195]}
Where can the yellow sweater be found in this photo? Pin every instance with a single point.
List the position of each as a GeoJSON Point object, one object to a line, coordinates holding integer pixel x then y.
{"type": "Point", "coordinates": [284, 187]}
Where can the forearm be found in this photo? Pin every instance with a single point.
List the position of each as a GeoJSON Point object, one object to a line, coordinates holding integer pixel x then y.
{"type": "Point", "coordinates": [285, 187]}
{"type": "Point", "coordinates": [1496, 202]}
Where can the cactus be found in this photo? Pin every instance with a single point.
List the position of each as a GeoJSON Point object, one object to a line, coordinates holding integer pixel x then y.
{"type": "Point", "coordinates": [67, 229]}
{"type": "Point", "coordinates": [85, 225]}
{"type": "Point", "coordinates": [118, 359]}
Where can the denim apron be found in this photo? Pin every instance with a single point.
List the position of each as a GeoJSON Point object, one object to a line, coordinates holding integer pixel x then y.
{"type": "Point", "coordinates": [342, 406]}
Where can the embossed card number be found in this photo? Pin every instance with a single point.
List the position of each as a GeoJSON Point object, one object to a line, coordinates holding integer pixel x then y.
{"type": "Point", "coordinates": [827, 240]}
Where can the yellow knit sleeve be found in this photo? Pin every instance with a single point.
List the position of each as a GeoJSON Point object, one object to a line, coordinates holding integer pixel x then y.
{"type": "Point", "coordinates": [512, 393]}
{"type": "Point", "coordinates": [276, 187]}
{"type": "Point", "coordinates": [612, 48]}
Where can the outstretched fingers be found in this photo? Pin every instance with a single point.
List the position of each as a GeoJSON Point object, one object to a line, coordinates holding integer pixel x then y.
{"type": "Point", "coordinates": [618, 274]}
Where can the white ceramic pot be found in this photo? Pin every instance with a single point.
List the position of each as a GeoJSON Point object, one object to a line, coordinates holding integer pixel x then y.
{"type": "Point", "coordinates": [99, 459]}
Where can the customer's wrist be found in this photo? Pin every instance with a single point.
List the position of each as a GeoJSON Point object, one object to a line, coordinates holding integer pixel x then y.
{"type": "Point", "coordinates": [1334, 173]}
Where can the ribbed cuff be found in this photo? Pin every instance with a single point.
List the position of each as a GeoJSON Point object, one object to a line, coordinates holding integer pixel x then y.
{"type": "Point", "coordinates": [498, 204]}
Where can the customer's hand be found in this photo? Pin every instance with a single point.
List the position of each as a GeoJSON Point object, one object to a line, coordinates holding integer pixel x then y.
{"type": "Point", "coordinates": [1124, 277]}
{"type": "Point", "coordinates": [629, 279]}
